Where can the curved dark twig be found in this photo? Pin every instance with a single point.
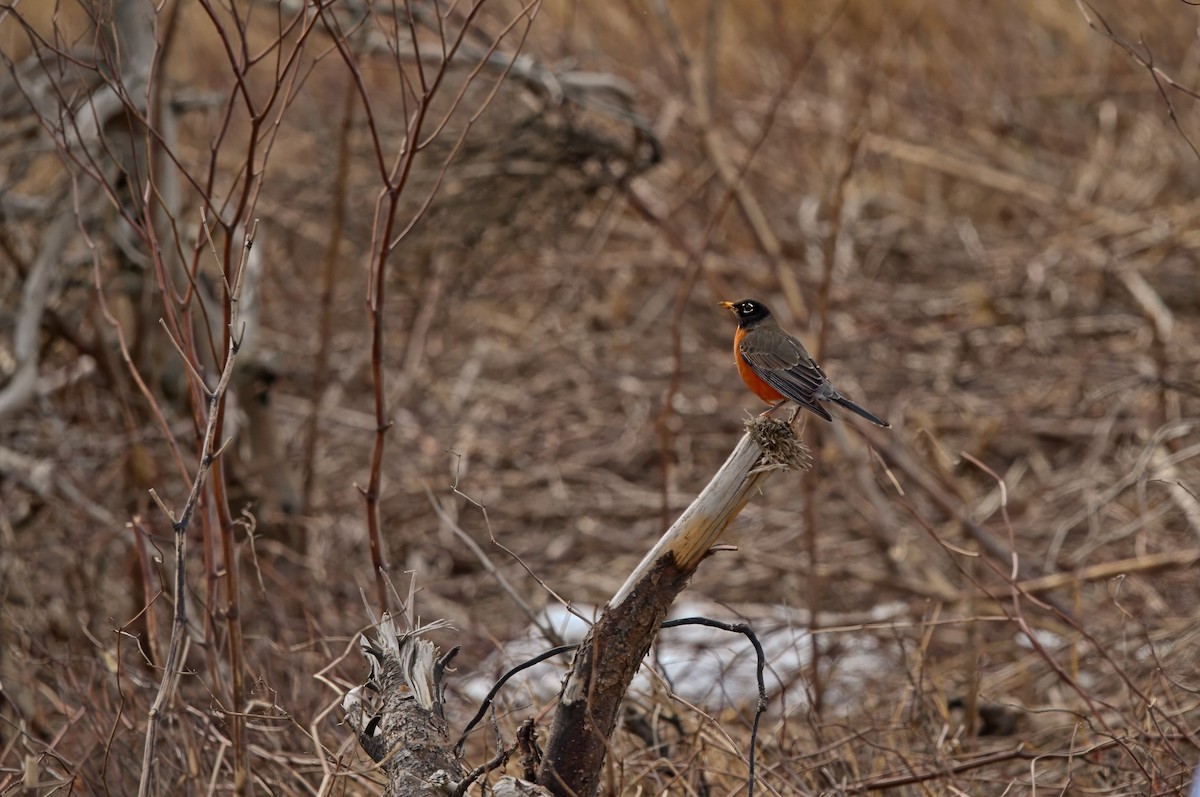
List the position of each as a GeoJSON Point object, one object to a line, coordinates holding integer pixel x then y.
{"type": "Point", "coordinates": [439, 672]}
{"type": "Point", "coordinates": [760, 667]}
{"type": "Point", "coordinates": [487, 701]}
{"type": "Point", "coordinates": [499, 760]}
{"type": "Point", "coordinates": [736, 628]}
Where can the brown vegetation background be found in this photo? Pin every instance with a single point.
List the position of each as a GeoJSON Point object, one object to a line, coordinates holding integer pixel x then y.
{"type": "Point", "coordinates": [981, 217]}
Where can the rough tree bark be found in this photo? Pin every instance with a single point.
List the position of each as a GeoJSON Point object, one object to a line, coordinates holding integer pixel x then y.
{"type": "Point", "coordinates": [610, 655]}
{"type": "Point", "coordinates": [405, 732]}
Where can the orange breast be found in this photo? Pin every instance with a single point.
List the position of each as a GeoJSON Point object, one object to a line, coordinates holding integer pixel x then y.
{"type": "Point", "coordinates": [757, 386]}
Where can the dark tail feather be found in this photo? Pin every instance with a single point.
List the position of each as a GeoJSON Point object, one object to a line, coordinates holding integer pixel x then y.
{"type": "Point", "coordinates": [814, 406]}
{"type": "Point", "coordinates": [857, 410]}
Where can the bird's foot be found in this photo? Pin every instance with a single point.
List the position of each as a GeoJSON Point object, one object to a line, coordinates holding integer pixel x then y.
{"type": "Point", "coordinates": [767, 412]}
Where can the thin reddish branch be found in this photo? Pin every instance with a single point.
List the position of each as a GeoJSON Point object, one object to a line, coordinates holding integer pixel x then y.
{"type": "Point", "coordinates": [385, 238]}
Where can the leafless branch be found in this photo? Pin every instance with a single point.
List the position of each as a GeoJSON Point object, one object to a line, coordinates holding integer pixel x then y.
{"type": "Point", "coordinates": [179, 524]}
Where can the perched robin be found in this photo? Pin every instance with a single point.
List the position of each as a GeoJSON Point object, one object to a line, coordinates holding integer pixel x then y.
{"type": "Point", "coordinates": [775, 366]}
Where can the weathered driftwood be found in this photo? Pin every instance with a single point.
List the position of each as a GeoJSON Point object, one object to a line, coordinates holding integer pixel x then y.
{"type": "Point", "coordinates": [610, 655]}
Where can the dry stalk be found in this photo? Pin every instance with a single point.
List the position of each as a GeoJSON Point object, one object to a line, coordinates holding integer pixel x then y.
{"type": "Point", "coordinates": [1106, 570]}
{"type": "Point", "coordinates": [1160, 77]}
{"type": "Point", "coordinates": [179, 524]}
{"type": "Point", "coordinates": [820, 314]}
{"type": "Point", "coordinates": [1099, 712]}
{"type": "Point", "coordinates": [995, 549]}
{"type": "Point", "coordinates": [547, 630]}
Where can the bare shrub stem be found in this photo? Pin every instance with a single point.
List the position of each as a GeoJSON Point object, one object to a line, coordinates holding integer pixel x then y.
{"type": "Point", "coordinates": [179, 524]}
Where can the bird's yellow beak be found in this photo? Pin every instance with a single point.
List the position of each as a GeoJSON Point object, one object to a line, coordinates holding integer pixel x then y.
{"type": "Point", "coordinates": [726, 305]}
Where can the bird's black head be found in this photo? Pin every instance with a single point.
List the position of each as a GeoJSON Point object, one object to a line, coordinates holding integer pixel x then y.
{"type": "Point", "coordinates": [748, 311]}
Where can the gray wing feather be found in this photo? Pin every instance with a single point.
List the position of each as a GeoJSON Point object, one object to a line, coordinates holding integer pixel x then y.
{"type": "Point", "coordinates": [782, 363]}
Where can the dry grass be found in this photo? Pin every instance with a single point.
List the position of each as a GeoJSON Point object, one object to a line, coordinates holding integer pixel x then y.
{"type": "Point", "coordinates": [990, 219]}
